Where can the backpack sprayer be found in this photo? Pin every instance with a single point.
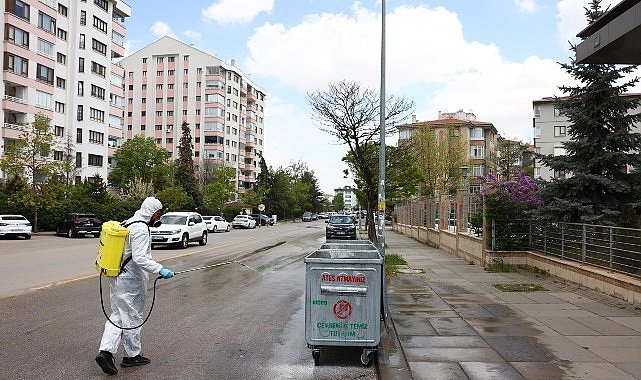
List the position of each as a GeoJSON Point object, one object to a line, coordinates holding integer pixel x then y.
{"type": "Point", "coordinates": [109, 261]}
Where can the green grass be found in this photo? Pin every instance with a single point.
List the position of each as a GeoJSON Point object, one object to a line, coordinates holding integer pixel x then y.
{"type": "Point", "coordinates": [392, 261]}
{"type": "Point", "coordinates": [519, 287]}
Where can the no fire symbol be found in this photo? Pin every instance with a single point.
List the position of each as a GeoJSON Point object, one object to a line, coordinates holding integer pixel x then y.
{"type": "Point", "coordinates": [342, 309]}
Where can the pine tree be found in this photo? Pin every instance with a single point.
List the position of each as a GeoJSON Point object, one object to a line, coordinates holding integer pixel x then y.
{"type": "Point", "coordinates": [185, 174]}
{"type": "Point", "coordinates": [603, 156]}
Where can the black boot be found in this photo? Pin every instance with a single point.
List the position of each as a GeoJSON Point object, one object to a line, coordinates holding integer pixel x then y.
{"type": "Point", "coordinates": [106, 361]}
{"type": "Point", "coordinates": [134, 361]}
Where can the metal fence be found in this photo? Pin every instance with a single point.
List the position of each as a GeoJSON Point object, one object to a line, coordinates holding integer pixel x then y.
{"type": "Point", "coordinates": [426, 211]}
{"type": "Point", "coordinates": [614, 248]}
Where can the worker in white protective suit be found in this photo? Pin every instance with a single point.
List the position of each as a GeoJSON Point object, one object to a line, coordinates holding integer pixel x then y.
{"type": "Point", "coordinates": [129, 289]}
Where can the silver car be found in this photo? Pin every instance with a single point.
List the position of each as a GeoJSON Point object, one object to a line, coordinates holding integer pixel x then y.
{"type": "Point", "coordinates": [243, 221]}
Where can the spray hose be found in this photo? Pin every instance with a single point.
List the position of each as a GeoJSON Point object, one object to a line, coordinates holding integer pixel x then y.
{"type": "Point", "coordinates": [153, 300]}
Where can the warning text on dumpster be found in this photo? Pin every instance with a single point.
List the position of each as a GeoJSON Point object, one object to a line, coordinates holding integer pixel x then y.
{"type": "Point", "coordinates": [344, 278]}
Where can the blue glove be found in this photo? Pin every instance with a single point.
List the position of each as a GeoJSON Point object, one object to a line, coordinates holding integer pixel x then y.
{"type": "Point", "coordinates": [166, 273]}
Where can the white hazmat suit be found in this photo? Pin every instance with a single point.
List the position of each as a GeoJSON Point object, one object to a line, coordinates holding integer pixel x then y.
{"type": "Point", "coordinates": [128, 291]}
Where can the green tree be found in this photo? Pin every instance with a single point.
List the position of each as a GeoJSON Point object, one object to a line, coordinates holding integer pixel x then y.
{"type": "Point", "coordinates": [29, 157]}
{"type": "Point", "coordinates": [439, 158]}
{"type": "Point", "coordinates": [173, 198]}
{"type": "Point", "coordinates": [220, 190]}
{"type": "Point", "coordinates": [602, 164]}
{"type": "Point", "coordinates": [510, 153]}
{"type": "Point", "coordinates": [350, 114]}
{"type": "Point", "coordinates": [185, 174]}
{"type": "Point", "coordinates": [338, 202]}
{"type": "Point", "coordinates": [140, 163]}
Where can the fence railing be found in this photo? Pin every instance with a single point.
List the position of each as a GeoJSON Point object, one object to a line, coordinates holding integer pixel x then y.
{"type": "Point", "coordinates": [614, 248]}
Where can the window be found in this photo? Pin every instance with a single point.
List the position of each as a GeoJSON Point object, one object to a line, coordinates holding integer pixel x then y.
{"type": "Point", "coordinates": [45, 47]}
{"type": "Point", "coordinates": [99, 24]}
{"type": "Point", "coordinates": [81, 65]}
{"type": "Point", "coordinates": [158, 100]}
{"type": "Point", "coordinates": [62, 10]}
{"type": "Point", "coordinates": [46, 22]}
{"type": "Point", "coordinates": [16, 64]}
{"type": "Point", "coordinates": [477, 152]}
{"type": "Point", "coordinates": [559, 151]}
{"type": "Point", "coordinates": [158, 113]}
{"type": "Point", "coordinates": [477, 171]}
{"type": "Point", "coordinates": [144, 87]}
{"type": "Point", "coordinates": [118, 38]}
{"type": "Point", "coordinates": [159, 73]}
{"type": "Point", "coordinates": [158, 127]}
{"type": "Point", "coordinates": [186, 58]}
{"type": "Point", "coordinates": [98, 69]}
{"type": "Point", "coordinates": [184, 112]}
{"type": "Point", "coordinates": [62, 34]}
{"type": "Point", "coordinates": [57, 155]}
{"type": "Point", "coordinates": [170, 86]}
{"type": "Point", "coordinates": [60, 107]}
{"type": "Point", "coordinates": [97, 92]}
{"type": "Point", "coordinates": [98, 46]}
{"type": "Point", "coordinates": [102, 4]}
{"type": "Point", "coordinates": [170, 99]}
{"type": "Point", "coordinates": [18, 8]}
{"type": "Point", "coordinates": [44, 100]}
{"type": "Point", "coordinates": [557, 112]}
{"type": "Point", "coordinates": [537, 110]}
{"type": "Point", "coordinates": [170, 141]}
{"type": "Point", "coordinates": [198, 97]}
{"type": "Point", "coordinates": [80, 114]}
{"type": "Point", "coordinates": [94, 160]}
{"type": "Point", "coordinates": [59, 131]}
{"type": "Point", "coordinates": [159, 59]}
{"type": "Point", "coordinates": [143, 127]}
{"type": "Point", "coordinates": [186, 71]}
{"type": "Point", "coordinates": [97, 115]}
{"type": "Point", "coordinates": [185, 85]}
{"type": "Point", "coordinates": [61, 83]}
{"type": "Point", "coordinates": [96, 137]}
{"type": "Point", "coordinates": [81, 41]}
{"type": "Point", "coordinates": [81, 88]}
{"type": "Point", "coordinates": [199, 70]}
{"type": "Point", "coordinates": [170, 113]}
{"type": "Point", "coordinates": [44, 74]}
{"type": "Point", "coordinates": [159, 86]}
{"type": "Point", "coordinates": [477, 134]}
{"type": "Point", "coordinates": [79, 135]}
{"type": "Point", "coordinates": [83, 17]}
{"type": "Point", "coordinates": [17, 36]}
{"type": "Point", "coordinates": [559, 131]}
{"type": "Point", "coordinates": [185, 98]}
{"type": "Point", "coordinates": [171, 73]}
{"type": "Point", "coordinates": [61, 58]}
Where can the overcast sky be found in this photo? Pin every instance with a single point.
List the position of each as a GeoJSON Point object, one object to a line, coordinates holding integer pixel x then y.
{"type": "Point", "coordinates": [493, 57]}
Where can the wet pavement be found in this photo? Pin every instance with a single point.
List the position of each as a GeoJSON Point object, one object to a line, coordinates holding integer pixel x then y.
{"type": "Point", "coordinates": [450, 322]}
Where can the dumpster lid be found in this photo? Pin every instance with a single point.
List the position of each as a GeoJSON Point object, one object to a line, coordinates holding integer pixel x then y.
{"type": "Point", "coordinates": [342, 256]}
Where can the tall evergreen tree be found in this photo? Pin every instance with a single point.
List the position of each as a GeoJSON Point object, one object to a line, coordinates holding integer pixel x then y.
{"type": "Point", "coordinates": [602, 165]}
{"type": "Point", "coordinates": [185, 176]}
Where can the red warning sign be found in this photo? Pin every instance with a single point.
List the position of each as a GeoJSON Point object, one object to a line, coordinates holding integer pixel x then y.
{"type": "Point", "coordinates": [342, 309]}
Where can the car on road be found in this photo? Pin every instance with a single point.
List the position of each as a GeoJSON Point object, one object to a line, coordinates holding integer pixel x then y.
{"type": "Point", "coordinates": [263, 219]}
{"type": "Point", "coordinates": [14, 226]}
{"type": "Point", "coordinates": [243, 221]}
{"type": "Point", "coordinates": [79, 223]}
{"type": "Point", "coordinates": [216, 223]}
{"type": "Point", "coordinates": [340, 227]}
{"type": "Point", "coordinates": [307, 216]}
{"type": "Point", "coordinates": [179, 229]}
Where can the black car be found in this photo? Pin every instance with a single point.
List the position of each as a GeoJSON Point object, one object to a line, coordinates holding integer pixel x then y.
{"type": "Point", "coordinates": [340, 227]}
{"type": "Point", "coordinates": [76, 224]}
{"type": "Point", "coordinates": [263, 219]}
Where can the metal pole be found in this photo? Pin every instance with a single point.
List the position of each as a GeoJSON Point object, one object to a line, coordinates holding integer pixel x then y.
{"type": "Point", "coordinates": [381, 169]}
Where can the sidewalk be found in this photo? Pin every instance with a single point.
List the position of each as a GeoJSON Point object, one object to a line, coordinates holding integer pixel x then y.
{"type": "Point", "coordinates": [452, 323]}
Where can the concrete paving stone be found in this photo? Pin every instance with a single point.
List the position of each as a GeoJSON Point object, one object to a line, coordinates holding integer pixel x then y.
{"type": "Point", "coordinates": [565, 349]}
{"type": "Point", "coordinates": [472, 311]}
{"type": "Point", "coordinates": [495, 321]}
{"type": "Point", "coordinates": [500, 310]}
{"type": "Point", "coordinates": [605, 326]}
{"type": "Point", "coordinates": [539, 370]}
{"type": "Point", "coordinates": [451, 326]}
{"type": "Point", "coordinates": [415, 308]}
{"type": "Point", "coordinates": [490, 371]}
{"type": "Point", "coordinates": [519, 348]}
{"type": "Point", "coordinates": [631, 322]}
{"type": "Point", "coordinates": [594, 371]}
{"type": "Point", "coordinates": [567, 326]}
{"type": "Point", "coordinates": [467, 298]}
{"type": "Point", "coordinates": [543, 297]}
{"type": "Point", "coordinates": [547, 310]}
{"type": "Point", "coordinates": [413, 326]}
{"type": "Point", "coordinates": [513, 297]}
{"type": "Point", "coordinates": [426, 314]}
{"type": "Point", "coordinates": [608, 341]}
{"type": "Point", "coordinates": [409, 298]}
{"type": "Point", "coordinates": [443, 341]}
{"type": "Point", "coordinates": [429, 354]}
{"type": "Point", "coordinates": [524, 330]}
{"type": "Point", "coordinates": [571, 297]}
{"type": "Point", "coordinates": [633, 369]}
{"type": "Point", "coordinates": [605, 310]}
{"type": "Point", "coordinates": [437, 371]}
{"type": "Point", "coordinates": [441, 270]}
{"type": "Point", "coordinates": [618, 355]}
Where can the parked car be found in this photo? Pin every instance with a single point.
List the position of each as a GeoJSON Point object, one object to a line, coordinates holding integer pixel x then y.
{"type": "Point", "coordinates": [322, 215]}
{"type": "Point", "coordinates": [79, 223]}
{"type": "Point", "coordinates": [244, 221]}
{"type": "Point", "coordinates": [179, 229]}
{"type": "Point", "coordinates": [307, 216]}
{"type": "Point", "coordinates": [263, 219]}
{"type": "Point", "coordinates": [15, 225]}
{"type": "Point", "coordinates": [216, 223]}
{"type": "Point", "coordinates": [340, 227]}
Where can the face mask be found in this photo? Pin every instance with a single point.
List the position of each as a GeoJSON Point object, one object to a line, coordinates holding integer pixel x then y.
{"type": "Point", "coordinates": [155, 223]}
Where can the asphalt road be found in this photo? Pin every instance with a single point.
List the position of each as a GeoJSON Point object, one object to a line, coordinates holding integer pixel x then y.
{"type": "Point", "coordinates": [228, 322]}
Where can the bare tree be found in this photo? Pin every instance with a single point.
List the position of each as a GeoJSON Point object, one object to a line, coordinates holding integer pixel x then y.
{"type": "Point", "coordinates": [349, 113]}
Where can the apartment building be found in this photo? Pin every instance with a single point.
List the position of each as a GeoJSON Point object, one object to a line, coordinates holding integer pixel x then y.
{"type": "Point", "coordinates": [551, 131]}
{"type": "Point", "coordinates": [349, 197]}
{"type": "Point", "coordinates": [59, 61]}
{"type": "Point", "coordinates": [481, 138]}
{"type": "Point", "coordinates": [169, 82]}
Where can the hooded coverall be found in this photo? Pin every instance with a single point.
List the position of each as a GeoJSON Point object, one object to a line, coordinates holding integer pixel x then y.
{"type": "Point", "coordinates": [128, 291]}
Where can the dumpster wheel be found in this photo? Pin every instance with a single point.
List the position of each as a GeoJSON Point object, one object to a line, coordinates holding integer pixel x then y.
{"type": "Point", "coordinates": [316, 356]}
{"type": "Point", "coordinates": [367, 357]}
